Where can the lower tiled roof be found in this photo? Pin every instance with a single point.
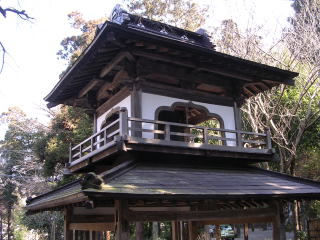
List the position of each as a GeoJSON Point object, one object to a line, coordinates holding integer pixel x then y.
{"type": "Point", "coordinates": [171, 181]}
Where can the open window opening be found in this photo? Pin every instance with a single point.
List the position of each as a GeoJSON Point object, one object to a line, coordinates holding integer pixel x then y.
{"type": "Point", "coordinates": [197, 118]}
{"type": "Point", "coordinates": [111, 126]}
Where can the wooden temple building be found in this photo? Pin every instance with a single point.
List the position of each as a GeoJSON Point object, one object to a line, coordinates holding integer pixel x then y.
{"type": "Point", "coordinates": [168, 145]}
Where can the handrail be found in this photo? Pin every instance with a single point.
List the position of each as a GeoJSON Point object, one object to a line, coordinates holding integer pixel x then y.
{"type": "Point", "coordinates": [124, 126]}
{"type": "Point", "coordinates": [193, 126]}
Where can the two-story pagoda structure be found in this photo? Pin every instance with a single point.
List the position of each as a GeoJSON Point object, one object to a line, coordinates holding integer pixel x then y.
{"type": "Point", "coordinates": [167, 143]}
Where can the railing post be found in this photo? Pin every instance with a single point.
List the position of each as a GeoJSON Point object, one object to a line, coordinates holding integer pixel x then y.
{"type": "Point", "coordinates": [123, 122]}
{"type": "Point", "coordinates": [239, 139]}
{"type": "Point", "coordinates": [268, 136]}
{"type": "Point", "coordinates": [167, 132]}
{"type": "Point", "coordinates": [80, 147]}
{"type": "Point", "coordinates": [205, 135]}
{"type": "Point", "coordinates": [105, 137]}
{"type": "Point", "coordinates": [91, 143]}
{"type": "Point", "coordinates": [70, 153]}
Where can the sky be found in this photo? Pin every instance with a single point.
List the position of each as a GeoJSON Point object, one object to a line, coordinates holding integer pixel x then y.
{"type": "Point", "coordinates": [31, 65]}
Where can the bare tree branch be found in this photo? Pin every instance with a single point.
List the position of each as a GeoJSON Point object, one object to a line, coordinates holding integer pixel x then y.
{"type": "Point", "coordinates": [21, 13]}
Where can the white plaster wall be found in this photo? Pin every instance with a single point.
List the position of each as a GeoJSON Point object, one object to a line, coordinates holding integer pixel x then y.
{"type": "Point", "coordinates": [124, 103]}
{"type": "Point", "coordinates": [150, 103]}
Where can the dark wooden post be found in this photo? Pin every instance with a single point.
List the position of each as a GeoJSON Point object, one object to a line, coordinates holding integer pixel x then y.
{"type": "Point", "coordinates": [237, 123]}
{"type": "Point", "coordinates": [94, 129]}
{"type": "Point", "coordinates": [237, 116]}
{"type": "Point", "coordinates": [123, 124]}
{"type": "Point", "coordinates": [68, 234]}
{"type": "Point", "coordinates": [246, 231]}
{"type": "Point", "coordinates": [139, 230]}
{"type": "Point", "coordinates": [278, 230]}
{"type": "Point", "coordinates": [136, 110]}
{"type": "Point", "coordinates": [175, 232]}
{"type": "Point", "coordinates": [193, 230]}
{"type": "Point", "coordinates": [121, 220]}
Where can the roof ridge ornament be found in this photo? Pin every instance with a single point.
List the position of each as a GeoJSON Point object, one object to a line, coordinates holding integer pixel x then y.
{"type": "Point", "coordinates": [119, 15]}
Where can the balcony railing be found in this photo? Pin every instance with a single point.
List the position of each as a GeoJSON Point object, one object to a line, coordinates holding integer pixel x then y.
{"type": "Point", "coordinates": [136, 130]}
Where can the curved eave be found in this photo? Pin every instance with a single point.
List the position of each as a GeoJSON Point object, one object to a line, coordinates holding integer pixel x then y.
{"type": "Point", "coordinates": [93, 193]}
{"type": "Point", "coordinates": [53, 96]}
{"type": "Point", "coordinates": [57, 203]}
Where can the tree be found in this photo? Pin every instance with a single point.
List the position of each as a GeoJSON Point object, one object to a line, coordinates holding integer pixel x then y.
{"type": "Point", "coordinates": [20, 169]}
{"type": "Point", "coordinates": [4, 11]}
{"type": "Point", "coordinates": [291, 113]}
{"type": "Point", "coordinates": [68, 125]}
{"type": "Point", "coordinates": [73, 46]}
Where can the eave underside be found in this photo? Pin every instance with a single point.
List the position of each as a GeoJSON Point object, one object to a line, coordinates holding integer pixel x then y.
{"type": "Point", "coordinates": [122, 56]}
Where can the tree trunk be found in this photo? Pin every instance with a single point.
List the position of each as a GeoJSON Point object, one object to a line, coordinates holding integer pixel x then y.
{"type": "Point", "coordinates": [296, 219]}
{"type": "Point", "coordinates": [217, 232]}
{"type": "Point", "coordinates": [9, 216]}
{"type": "Point", "coordinates": [1, 236]}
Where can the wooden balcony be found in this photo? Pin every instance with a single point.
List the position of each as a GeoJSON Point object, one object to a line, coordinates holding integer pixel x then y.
{"type": "Point", "coordinates": [135, 134]}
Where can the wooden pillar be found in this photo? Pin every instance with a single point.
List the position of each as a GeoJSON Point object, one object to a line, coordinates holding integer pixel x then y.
{"type": "Point", "coordinates": [68, 234]}
{"type": "Point", "coordinates": [175, 230]}
{"type": "Point", "coordinates": [237, 116]}
{"type": "Point", "coordinates": [136, 109]}
{"type": "Point", "coordinates": [95, 127]}
{"type": "Point", "coordinates": [237, 120]}
{"type": "Point", "coordinates": [276, 224]}
{"type": "Point", "coordinates": [76, 235]}
{"type": "Point", "coordinates": [87, 235]}
{"type": "Point", "coordinates": [246, 231]}
{"type": "Point", "coordinates": [139, 230]}
{"type": "Point", "coordinates": [121, 220]}
{"type": "Point", "coordinates": [192, 230]}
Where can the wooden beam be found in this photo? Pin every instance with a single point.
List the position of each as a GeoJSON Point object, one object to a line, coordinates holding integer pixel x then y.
{"type": "Point", "coordinates": [114, 62]}
{"type": "Point", "coordinates": [119, 96]}
{"type": "Point", "coordinates": [146, 68]}
{"type": "Point", "coordinates": [110, 86]}
{"type": "Point", "coordinates": [231, 220]}
{"type": "Point", "coordinates": [102, 93]}
{"type": "Point", "coordinates": [92, 226]}
{"type": "Point", "coordinates": [188, 94]}
{"type": "Point", "coordinates": [90, 85]}
{"type": "Point", "coordinates": [201, 67]}
{"type": "Point", "coordinates": [160, 209]}
{"type": "Point", "coordinates": [223, 216]}
{"type": "Point", "coordinates": [93, 211]}
{"type": "Point", "coordinates": [248, 91]}
{"type": "Point", "coordinates": [92, 218]}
